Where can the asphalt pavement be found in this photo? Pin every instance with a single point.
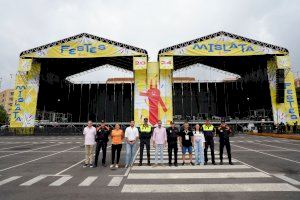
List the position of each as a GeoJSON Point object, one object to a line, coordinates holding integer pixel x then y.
{"type": "Point", "coordinates": [37, 167]}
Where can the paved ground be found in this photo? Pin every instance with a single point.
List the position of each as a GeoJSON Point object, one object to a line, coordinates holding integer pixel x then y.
{"type": "Point", "coordinates": [50, 168]}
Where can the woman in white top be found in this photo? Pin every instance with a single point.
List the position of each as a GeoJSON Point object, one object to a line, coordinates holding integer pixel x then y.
{"type": "Point", "coordinates": [199, 142]}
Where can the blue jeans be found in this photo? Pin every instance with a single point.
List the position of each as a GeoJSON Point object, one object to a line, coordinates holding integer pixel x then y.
{"type": "Point", "coordinates": [159, 148]}
{"type": "Point", "coordinates": [199, 153]}
{"type": "Point", "coordinates": [187, 149]}
{"type": "Point", "coordinates": [130, 153]}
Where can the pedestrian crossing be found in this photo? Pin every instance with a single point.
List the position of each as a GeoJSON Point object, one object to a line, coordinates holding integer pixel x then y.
{"type": "Point", "coordinates": [59, 180]}
{"type": "Point", "coordinates": [239, 177]}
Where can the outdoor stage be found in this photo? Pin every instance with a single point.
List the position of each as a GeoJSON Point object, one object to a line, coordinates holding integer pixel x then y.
{"type": "Point", "coordinates": [263, 87]}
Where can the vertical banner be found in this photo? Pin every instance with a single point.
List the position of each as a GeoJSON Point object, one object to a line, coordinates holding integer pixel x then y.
{"type": "Point", "coordinates": [165, 86]}
{"type": "Point", "coordinates": [286, 112]}
{"type": "Point", "coordinates": [141, 108]}
{"type": "Point", "coordinates": [152, 93]}
{"type": "Point", "coordinates": [25, 94]}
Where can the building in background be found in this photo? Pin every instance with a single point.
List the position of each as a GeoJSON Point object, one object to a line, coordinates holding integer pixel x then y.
{"type": "Point", "coordinates": [6, 99]}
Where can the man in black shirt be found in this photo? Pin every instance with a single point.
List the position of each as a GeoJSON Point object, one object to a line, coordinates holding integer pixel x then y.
{"type": "Point", "coordinates": [172, 133]}
{"type": "Point", "coordinates": [187, 142]}
{"type": "Point", "coordinates": [224, 132]}
{"type": "Point", "coordinates": [103, 132]}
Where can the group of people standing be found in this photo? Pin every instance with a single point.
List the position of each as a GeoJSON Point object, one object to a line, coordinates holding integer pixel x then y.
{"type": "Point", "coordinates": [197, 138]}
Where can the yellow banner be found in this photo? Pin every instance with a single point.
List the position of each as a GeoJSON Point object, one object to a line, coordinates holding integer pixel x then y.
{"type": "Point", "coordinates": [81, 48]}
{"type": "Point", "coordinates": [286, 112]}
{"type": "Point", "coordinates": [25, 97]}
{"type": "Point", "coordinates": [166, 62]}
{"type": "Point", "coordinates": [222, 46]}
{"type": "Point", "coordinates": [165, 87]}
{"type": "Point", "coordinates": [139, 63]}
{"type": "Point", "coordinates": [141, 107]}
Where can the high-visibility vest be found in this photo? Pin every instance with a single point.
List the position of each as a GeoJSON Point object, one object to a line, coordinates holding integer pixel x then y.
{"type": "Point", "coordinates": [208, 128]}
{"type": "Point", "coordinates": [145, 129]}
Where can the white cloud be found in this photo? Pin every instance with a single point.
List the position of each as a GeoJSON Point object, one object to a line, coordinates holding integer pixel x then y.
{"type": "Point", "coordinates": [149, 24]}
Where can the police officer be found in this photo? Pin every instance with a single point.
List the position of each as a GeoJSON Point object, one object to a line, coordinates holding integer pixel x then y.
{"type": "Point", "coordinates": [172, 136]}
{"type": "Point", "coordinates": [102, 134]}
{"type": "Point", "coordinates": [224, 132]}
{"type": "Point", "coordinates": [145, 136]}
{"type": "Point", "coordinates": [209, 133]}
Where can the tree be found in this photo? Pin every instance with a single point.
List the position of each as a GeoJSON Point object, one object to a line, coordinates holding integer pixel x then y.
{"type": "Point", "coordinates": [3, 115]}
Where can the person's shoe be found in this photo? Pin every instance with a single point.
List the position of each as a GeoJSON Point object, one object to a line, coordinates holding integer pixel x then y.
{"type": "Point", "coordinates": [170, 164]}
{"type": "Point", "coordinates": [149, 164]}
{"type": "Point", "coordinates": [117, 166]}
{"type": "Point", "coordinates": [191, 163]}
{"type": "Point", "coordinates": [198, 164]}
{"type": "Point", "coordinates": [126, 166]}
{"type": "Point", "coordinates": [221, 162]}
{"type": "Point", "coordinates": [85, 165]}
{"type": "Point", "coordinates": [214, 163]}
{"type": "Point", "coordinates": [183, 163]}
{"type": "Point", "coordinates": [205, 163]}
{"type": "Point", "coordinates": [104, 165]}
{"type": "Point", "coordinates": [91, 166]}
{"type": "Point", "coordinates": [112, 166]}
{"type": "Point", "coordinates": [140, 164]}
{"type": "Point", "coordinates": [230, 163]}
{"type": "Point", "coordinates": [175, 164]}
{"type": "Point", "coordinates": [94, 166]}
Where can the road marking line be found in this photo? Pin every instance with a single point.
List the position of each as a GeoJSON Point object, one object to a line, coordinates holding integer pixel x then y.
{"type": "Point", "coordinates": [1, 170]}
{"type": "Point", "coordinates": [64, 170]}
{"type": "Point", "coordinates": [137, 168]}
{"type": "Point", "coordinates": [70, 167]}
{"type": "Point", "coordinates": [115, 181]}
{"type": "Point", "coordinates": [276, 147]}
{"type": "Point", "coordinates": [184, 188]}
{"type": "Point", "coordinates": [267, 154]}
{"type": "Point", "coordinates": [88, 181]}
{"type": "Point", "coordinates": [28, 150]}
{"type": "Point", "coordinates": [34, 180]}
{"type": "Point", "coordinates": [61, 181]}
{"type": "Point", "coordinates": [287, 179]}
{"type": "Point", "coordinates": [16, 146]}
{"type": "Point", "coordinates": [9, 180]}
{"type": "Point", "coordinates": [197, 175]}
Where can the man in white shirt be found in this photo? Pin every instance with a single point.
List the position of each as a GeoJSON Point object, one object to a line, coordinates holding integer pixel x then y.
{"type": "Point", "coordinates": [131, 136]}
{"type": "Point", "coordinates": [89, 133]}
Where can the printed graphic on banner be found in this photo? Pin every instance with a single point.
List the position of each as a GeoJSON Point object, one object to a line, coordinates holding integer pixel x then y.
{"type": "Point", "coordinates": [139, 63]}
{"type": "Point", "coordinates": [82, 47]}
{"type": "Point", "coordinates": [222, 46]}
{"type": "Point", "coordinates": [166, 62]}
{"type": "Point", "coordinates": [25, 97]}
{"type": "Point", "coordinates": [165, 86]}
{"type": "Point", "coordinates": [24, 65]}
{"type": "Point", "coordinates": [153, 94]}
{"type": "Point", "coordinates": [141, 107]}
{"type": "Point", "coordinates": [286, 112]}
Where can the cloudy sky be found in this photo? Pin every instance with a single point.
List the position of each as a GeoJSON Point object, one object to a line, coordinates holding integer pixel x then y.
{"type": "Point", "coordinates": [149, 24]}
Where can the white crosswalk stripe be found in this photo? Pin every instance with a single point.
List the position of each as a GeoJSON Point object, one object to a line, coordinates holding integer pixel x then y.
{"type": "Point", "coordinates": [61, 181]}
{"type": "Point", "coordinates": [165, 176]}
{"type": "Point", "coordinates": [88, 181]}
{"type": "Point", "coordinates": [9, 180]}
{"type": "Point", "coordinates": [34, 180]}
{"type": "Point", "coordinates": [175, 188]}
{"type": "Point", "coordinates": [239, 177]}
